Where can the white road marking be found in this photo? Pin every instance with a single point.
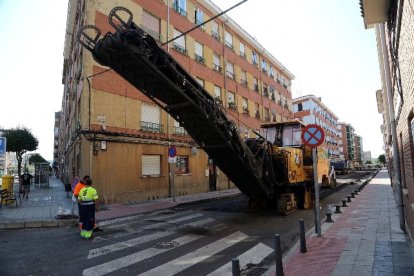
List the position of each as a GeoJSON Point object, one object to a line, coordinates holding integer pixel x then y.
{"type": "Point", "coordinates": [160, 224]}
{"type": "Point", "coordinates": [253, 256]}
{"type": "Point", "coordinates": [196, 256]}
{"type": "Point", "coordinates": [125, 244]}
{"type": "Point", "coordinates": [131, 259]}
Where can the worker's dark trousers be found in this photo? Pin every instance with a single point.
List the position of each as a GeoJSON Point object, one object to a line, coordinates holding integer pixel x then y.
{"type": "Point", "coordinates": [87, 216]}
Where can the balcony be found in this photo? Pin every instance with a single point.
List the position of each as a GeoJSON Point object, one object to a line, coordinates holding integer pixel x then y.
{"type": "Point", "coordinates": [216, 36]}
{"type": "Point", "coordinates": [199, 58]}
{"type": "Point", "coordinates": [242, 54]}
{"type": "Point", "coordinates": [245, 110]}
{"type": "Point", "coordinates": [218, 100]}
{"type": "Point", "coordinates": [228, 45]}
{"type": "Point", "coordinates": [232, 105]}
{"type": "Point", "coordinates": [230, 75]}
{"type": "Point", "coordinates": [156, 35]}
{"type": "Point", "coordinates": [179, 48]}
{"type": "Point", "coordinates": [216, 68]}
{"type": "Point", "coordinates": [256, 87]}
{"type": "Point", "coordinates": [152, 127]}
{"type": "Point", "coordinates": [180, 130]}
{"type": "Point", "coordinates": [374, 11]}
{"type": "Point", "coordinates": [265, 93]}
{"type": "Point", "coordinates": [243, 82]}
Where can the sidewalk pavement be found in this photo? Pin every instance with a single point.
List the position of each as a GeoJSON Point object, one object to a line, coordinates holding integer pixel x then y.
{"type": "Point", "coordinates": [365, 239]}
{"type": "Point", "coordinates": [51, 207]}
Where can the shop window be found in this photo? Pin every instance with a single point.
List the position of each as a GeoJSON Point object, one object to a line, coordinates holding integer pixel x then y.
{"type": "Point", "coordinates": [181, 166]}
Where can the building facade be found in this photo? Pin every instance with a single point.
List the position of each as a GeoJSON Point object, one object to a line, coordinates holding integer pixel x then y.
{"type": "Point", "coordinates": [113, 132]}
{"type": "Point", "coordinates": [394, 25]}
{"type": "Point", "coordinates": [311, 110]}
{"type": "Point", "coordinates": [347, 143]}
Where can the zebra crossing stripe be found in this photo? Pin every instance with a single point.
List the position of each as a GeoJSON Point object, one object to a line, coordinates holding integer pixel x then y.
{"type": "Point", "coordinates": [136, 241]}
{"type": "Point", "coordinates": [196, 256]}
{"type": "Point", "coordinates": [131, 259]}
{"type": "Point", "coordinates": [253, 256]}
{"type": "Point", "coordinates": [160, 224]}
{"type": "Point", "coordinates": [118, 220]}
{"type": "Point", "coordinates": [122, 245]}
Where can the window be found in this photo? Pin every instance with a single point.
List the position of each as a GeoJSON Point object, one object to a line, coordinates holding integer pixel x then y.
{"type": "Point", "coordinates": [151, 165]}
{"type": "Point", "coordinates": [179, 43]}
{"type": "Point", "coordinates": [255, 84]}
{"type": "Point", "coordinates": [228, 40]}
{"type": "Point", "coordinates": [266, 114]}
{"type": "Point", "coordinates": [300, 107]}
{"type": "Point", "coordinates": [200, 81]}
{"type": "Point", "coordinates": [242, 50]}
{"type": "Point", "coordinates": [230, 70]}
{"type": "Point", "coordinates": [265, 90]}
{"type": "Point", "coordinates": [216, 62]}
{"type": "Point", "coordinates": [264, 66]}
{"type": "Point", "coordinates": [180, 6]}
{"type": "Point", "coordinates": [245, 106]}
{"type": "Point", "coordinates": [271, 71]}
{"type": "Point", "coordinates": [199, 17]}
{"type": "Point", "coordinates": [199, 52]}
{"type": "Point", "coordinates": [215, 31]}
{"type": "Point", "coordinates": [151, 118]}
{"type": "Point", "coordinates": [257, 112]}
{"type": "Point", "coordinates": [254, 58]}
{"type": "Point", "coordinates": [243, 78]}
{"type": "Point", "coordinates": [179, 129]}
{"type": "Point", "coordinates": [231, 100]}
{"type": "Point", "coordinates": [151, 25]}
{"type": "Point", "coordinates": [181, 166]}
{"type": "Point", "coordinates": [217, 91]}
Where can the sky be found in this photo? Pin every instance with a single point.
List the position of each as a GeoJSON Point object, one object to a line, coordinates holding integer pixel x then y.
{"type": "Point", "coordinates": [322, 42]}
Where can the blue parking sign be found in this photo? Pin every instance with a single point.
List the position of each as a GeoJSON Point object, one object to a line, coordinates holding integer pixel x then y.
{"type": "Point", "coordinates": [2, 145]}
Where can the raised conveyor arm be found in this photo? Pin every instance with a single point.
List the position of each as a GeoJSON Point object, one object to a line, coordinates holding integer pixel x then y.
{"type": "Point", "coordinates": [137, 57]}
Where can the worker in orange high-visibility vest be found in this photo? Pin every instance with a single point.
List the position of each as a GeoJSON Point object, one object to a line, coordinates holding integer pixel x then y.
{"type": "Point", "coordinates": [88, 199]}
{"type": "Point", "coordinates": [76, 191]}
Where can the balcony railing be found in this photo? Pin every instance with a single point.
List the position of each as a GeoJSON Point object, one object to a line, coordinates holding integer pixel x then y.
{"type": "Point", "coordinates": [179, 48]}
{"type": "Point", "coordinates": [230, 75]}
{"type": "Point", "coordinates": [216, 36]}
{"type": "Point", "coordinates": [199, 58]}
{"type": "Point", "coordinates": [216, 67]}
{"type": "Point", "coordinates": [256, 87]}
{"type": "Point", "coordinates": [232, 105]}
{"type": "Point", "coordinates": [154, 34]}
{"type": "Point", "coordinates": [152, 127]}
{"type": "Point", "coordinates": [243, 54]}
{"type": "Point", "coordinates": [228, 45]}
{"type": "Point", "coordinates": [265, 93]}
{"type": "Point", "coordinates": [180, 130]}
{"type": "Point", "coordinates": [243, 82]}
{"type": "Point", "coordinates": [245, 110]}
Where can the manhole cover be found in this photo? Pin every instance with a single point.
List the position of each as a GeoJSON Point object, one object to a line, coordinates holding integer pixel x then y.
{"type": "Point", "coordinates": [166, 245]}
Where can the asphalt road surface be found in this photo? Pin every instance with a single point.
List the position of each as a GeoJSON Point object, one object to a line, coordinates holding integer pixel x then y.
{"type": "Point", "coordinates": [196, 239]}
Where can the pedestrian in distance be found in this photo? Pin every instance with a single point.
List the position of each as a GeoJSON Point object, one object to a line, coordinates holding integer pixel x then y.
{"type": "Point", "coordinates": [25, 181]}
{"type": "Point", "coordinates": [81, 184]}
{"type": "Point", "coordinates": [88, 199]}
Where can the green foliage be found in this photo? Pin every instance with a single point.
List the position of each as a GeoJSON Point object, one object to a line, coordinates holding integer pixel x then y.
{"type": "Point", "coordinates": [381, 158]}
{"type": "Point", "coordinates": [36, 158]}
{"type": "Point", "coordinates": [368, 162]}
{"type": "Point", "coordinates": [20, 140]}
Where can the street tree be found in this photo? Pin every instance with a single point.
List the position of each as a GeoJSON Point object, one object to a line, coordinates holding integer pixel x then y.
{"type": "Point", "coordinates": [36, 158]}
{"type": "Point", "coordinates": [381, 158]}
{"type": "Point", "coordinates": [20, 140]}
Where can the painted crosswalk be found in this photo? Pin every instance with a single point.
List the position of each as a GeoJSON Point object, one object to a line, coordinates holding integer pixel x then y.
{"type": "Point", "coordinates": [188, 247]}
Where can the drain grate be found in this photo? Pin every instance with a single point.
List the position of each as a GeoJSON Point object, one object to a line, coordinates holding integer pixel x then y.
{"type": "Point", "coordinates": [166, 245]}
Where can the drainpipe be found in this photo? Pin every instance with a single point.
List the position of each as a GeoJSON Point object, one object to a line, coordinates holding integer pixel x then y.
{"type": "Point", "coordinates": [395, 153]}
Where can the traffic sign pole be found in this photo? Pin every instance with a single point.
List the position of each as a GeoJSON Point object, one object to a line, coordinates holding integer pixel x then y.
{"type": "Point", "coordinates": [316, 184]}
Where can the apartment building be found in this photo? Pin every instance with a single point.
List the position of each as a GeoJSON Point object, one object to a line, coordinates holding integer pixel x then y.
{"type": "Point", "coordinates": [394, 26]}
{"type": "Point", "coordinates": [358, 151]}
{"type": "Point", "coordinates": [116, 134]}
{"type": "Point", "coordinates": [311, 110]}
{"type": "Point", "coordinates": [347, 143]}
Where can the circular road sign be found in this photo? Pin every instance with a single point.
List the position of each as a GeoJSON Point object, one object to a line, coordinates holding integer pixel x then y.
{"type": "Point", "coordinates": [313, 135]}
{"type": "Point", "coordinates": [172, 151]}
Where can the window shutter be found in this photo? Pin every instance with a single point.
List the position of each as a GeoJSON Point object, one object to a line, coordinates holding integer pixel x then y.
{"type": "Point", "coordinates": [151, 22]}
{"type": "Point", "coordinates": [216, 59]}
{"type": "Point", "coordinates": [151, 165]}
{"type": "Point", "coordinates": [199, 49]}
{"type": "Point", "coordinates": [215, 27]}
{"type": "Point", "coordinates": [181, 40]}
{"type": "Point", "coordinates": [150, 113]}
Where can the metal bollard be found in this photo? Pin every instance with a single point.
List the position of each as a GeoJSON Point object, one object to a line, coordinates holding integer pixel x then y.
{"type": "Point", "coordinates": [356, 191]}
{"type": "Point", "coordinates": [349, 199]}
{"type": "Point", "coordinates": [344, 203]}
{"type": "Point", "coordinates": [302, 236]}
{"type": "Point", "coordinates": [352, 195]}
{"type": "Point", "coordinates": [329, 217]}
{"type": "Point", "coordinates": [235, 267]}
{"type": "Point", "coordinates": [278, 256]}
{"type": "Point", "coordinates": [338, 209]}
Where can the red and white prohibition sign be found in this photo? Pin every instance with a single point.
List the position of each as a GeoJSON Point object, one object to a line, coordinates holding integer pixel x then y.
{"type": "Point", "coordinates": [313, 135]}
